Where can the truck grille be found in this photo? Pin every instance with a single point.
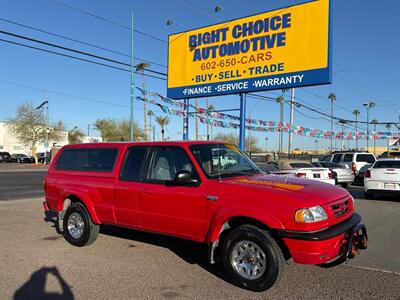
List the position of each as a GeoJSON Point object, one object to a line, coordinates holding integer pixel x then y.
{"type": "Point", "coordinates": [341, 208]}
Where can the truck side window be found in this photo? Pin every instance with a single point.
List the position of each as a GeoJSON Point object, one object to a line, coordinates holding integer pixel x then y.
{"type": "Point", "coordinates": [133, 162]}
{"type": "Point", "coordinates": [336, 158]}
{"type": "Point", "coordinates": [167, 161]}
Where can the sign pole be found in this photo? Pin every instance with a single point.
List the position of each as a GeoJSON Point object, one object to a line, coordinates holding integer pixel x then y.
{"type": "Point", "coordinates": [132, 85]}
{"type": "Point", "coordinates": [186, 121]}
{"type": "Point", "coordinates": [242, 130]}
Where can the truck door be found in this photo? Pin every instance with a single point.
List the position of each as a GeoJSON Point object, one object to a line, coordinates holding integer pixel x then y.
{"type": "Point", "coordinates": [165, 207]}
{"type": "Point", "coordinates": [128, 186]}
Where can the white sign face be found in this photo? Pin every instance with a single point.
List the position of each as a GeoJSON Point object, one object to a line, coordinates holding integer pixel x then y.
{"type": "Point", "coordinates": [394, 142]}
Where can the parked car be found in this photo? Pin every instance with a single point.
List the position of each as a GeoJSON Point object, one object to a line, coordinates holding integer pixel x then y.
{"type": "Point", "coordinates": [5, 157]}
{"type": "Point", "coordinates": [355, 160]}
{"type": "Point", "coordinates": [390, 154]}
{"type": "Point", "coordinates": [268, 168]}
{"type": "Point", "coordinates": [208, 192]}
{"type": "Point", "coordinates": [359, 178]}
{"type": "Point", "coordinates": [21, 158]}
{"type": "Point", "coordinates": [382, 178]}
{"type": "Point", "coordinates": [302, 169]}
{"type": "Point", "coordinates": [344, 175]}
{"type": "Point", "coordinates": [41, 156]}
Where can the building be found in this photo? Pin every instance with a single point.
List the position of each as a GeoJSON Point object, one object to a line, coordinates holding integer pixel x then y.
{"type": "Point", "coordinates": [9, 143]}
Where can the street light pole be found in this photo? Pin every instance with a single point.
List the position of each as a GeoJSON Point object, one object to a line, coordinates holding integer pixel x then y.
{"type": "Point", "coordinates": [356, 112]}
{"type": "Point", "coordinates": [132, 84]}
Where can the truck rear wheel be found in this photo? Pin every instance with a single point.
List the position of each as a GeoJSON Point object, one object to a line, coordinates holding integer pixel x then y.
{"type": "Point", "coordinates": [252, 258]}
{"type": "Point", "coordinates": [79, 229]}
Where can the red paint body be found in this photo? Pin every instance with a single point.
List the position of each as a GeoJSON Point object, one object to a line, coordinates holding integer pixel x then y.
{"type": "Point", "coordinates": [185, 211]}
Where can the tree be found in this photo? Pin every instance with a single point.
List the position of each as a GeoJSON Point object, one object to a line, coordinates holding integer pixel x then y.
{"type": "Point", "coordinates": [163, 122]}
{"type": "Point", "coordinates": [332, 97]}
{"type": "Point", "coordinates": [112, 130]}
{"type": "Point", "coordinates": [234, 139]}
{"type": "Point", "coordinates": [75, 136]}
{"type": "Point", "coordinates": [31, 128]}
{"type": "Point", "coordinates": [210, 109]}
{"type": "Point", "coordinates": [141, 67]}
{"type": "Point", "coordinates": [150, 114]}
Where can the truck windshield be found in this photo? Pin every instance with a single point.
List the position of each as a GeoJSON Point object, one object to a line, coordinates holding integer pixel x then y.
{"type": "Point", "coordinates": [223, 160]}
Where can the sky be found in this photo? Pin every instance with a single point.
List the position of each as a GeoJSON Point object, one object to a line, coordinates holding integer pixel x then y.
{"type": "Point", "coordinates": [366, 64]}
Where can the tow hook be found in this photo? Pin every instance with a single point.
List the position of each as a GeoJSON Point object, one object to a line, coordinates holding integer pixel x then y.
{"type": "Point", "coordinates": [357, 239]}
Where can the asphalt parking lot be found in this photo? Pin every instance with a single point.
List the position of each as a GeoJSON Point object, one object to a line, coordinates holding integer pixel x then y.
{"type": "Point", "coordinates": [124, 264]}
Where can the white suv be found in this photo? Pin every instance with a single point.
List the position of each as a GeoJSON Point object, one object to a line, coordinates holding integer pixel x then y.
{"type": "Point", "coordinates": [355, 160]}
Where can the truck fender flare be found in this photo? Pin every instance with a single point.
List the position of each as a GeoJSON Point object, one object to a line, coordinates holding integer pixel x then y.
{"type": "Point", "coordinates": [85, 201]}
{"type": "Point", "coordinates": [220, 220]}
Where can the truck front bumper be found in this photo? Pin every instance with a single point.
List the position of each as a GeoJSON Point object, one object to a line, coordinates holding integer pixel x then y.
{"type": "Point", "coordinates": [328, 247]}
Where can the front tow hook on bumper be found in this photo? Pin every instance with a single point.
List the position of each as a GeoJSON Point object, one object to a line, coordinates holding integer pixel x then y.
{"type": "Point", "coordinates": [357, 240]}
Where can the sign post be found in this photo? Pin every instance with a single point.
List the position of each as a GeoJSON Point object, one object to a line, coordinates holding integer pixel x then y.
{"type": "Point", "coordinates": [186, 121]}
{"type": "Point", "coordinates": [242, 128]}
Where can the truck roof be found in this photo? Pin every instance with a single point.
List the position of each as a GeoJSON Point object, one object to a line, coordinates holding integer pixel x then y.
{"type": "Point", "coordinates": [142, 143]}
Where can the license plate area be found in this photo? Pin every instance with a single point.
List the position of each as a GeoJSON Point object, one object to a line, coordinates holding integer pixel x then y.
{"type": "Point", "coordinates": [316, 175]}
{"type": "Point", "coordinates": [390, 186]}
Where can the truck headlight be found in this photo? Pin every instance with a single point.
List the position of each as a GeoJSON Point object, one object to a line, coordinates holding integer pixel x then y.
{"type": "Point", "coordinates": [309, 215]}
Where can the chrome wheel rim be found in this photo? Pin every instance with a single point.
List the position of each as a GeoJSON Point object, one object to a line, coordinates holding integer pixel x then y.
{"type": "Point", "coordinates": [248, 260]}
{"type": "Point", "coordinates": [75, 225]}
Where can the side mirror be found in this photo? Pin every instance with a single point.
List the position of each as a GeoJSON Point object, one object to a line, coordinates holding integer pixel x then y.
{"type": "Point", "coordinates": [184, 177]}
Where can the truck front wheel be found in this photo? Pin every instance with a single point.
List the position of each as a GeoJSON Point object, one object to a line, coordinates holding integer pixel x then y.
{"type": "Point", "coordinates": [79, 229]}
{"type": "Point", "coordinates": [252, 258]}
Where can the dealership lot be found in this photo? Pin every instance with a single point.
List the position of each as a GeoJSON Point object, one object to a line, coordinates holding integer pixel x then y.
{"type": "Point", "coordinates": [127, 264]}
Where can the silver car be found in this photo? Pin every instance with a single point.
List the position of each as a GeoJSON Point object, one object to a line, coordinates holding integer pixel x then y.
{"type": "Point", "coordinates": [344, 175]}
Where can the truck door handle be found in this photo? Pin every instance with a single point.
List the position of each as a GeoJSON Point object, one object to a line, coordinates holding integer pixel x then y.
{"type": "Point", "coordinates": [212, 198]}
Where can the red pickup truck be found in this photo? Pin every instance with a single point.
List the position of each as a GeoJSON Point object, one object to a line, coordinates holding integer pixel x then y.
{"type": "Point", "coordinates": [209, 192]}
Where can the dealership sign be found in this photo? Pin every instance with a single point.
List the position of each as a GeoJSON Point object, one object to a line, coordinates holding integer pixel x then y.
{"type": "Point", "coordinates": [284, 48]}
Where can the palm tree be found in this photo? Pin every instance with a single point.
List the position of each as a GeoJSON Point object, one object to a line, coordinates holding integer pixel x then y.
{"type": "Point", "coordinates": [356, 112]}
{"type": "Point", "coordinates": [141, 67]}
{"type": "Point", "coordinates": [280, 101]}
{"type": "Point", "coordinates": [163, 122]}
{"type": "Point", "coordinates": [374, 121]}
{"type": "Point", "coordinates": [210, 109]}
{"type": "Point", "coordinates": [388, 126]}
{"type": "Point", "coordinates": [332, 97]}
{"type": "Point", "coordinates": [150, 113]}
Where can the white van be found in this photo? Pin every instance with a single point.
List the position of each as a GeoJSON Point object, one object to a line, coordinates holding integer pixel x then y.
{"type": "Point", "coordinates": [355, 160]}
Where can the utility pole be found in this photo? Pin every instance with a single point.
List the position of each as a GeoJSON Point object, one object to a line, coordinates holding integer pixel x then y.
{"type": "Point", "coordinates": [132, 83]}
{"type": "Point", "coordinates": [207, 126]}
{"type": "Point", "coordinates": [291, 123]}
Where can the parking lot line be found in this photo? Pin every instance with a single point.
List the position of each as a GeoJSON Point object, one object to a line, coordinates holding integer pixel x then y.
{"type": "Point", "coordinates": [372, 269]}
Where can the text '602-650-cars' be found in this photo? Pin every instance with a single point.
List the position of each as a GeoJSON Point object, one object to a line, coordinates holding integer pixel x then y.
{"type": "Point", "coordinates": [209, 192]}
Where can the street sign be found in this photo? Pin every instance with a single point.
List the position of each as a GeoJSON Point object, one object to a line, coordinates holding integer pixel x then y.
{"type": "Point", "coordinates": [284, 48]}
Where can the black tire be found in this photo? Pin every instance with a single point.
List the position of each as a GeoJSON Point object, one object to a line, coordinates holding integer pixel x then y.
{"type": "Point", "coordinates": [90, 231]}
{"type": "Point", "coordinates": [344, 185]}
{"type": "Point", "coordinates": [275, 260]}
{"type": "Point", "coordinates": [369, 195]}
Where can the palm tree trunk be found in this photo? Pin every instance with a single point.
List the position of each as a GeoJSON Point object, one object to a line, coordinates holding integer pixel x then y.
{"type": "Point", "coordinates": [144, 107]}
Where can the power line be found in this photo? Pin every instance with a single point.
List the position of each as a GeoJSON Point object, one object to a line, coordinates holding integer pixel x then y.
{"type": "Point", "coordinates": [81, 42]}
{"type": "Point", "coordinates": [76, 51]}
{"type": "Point", "coordinates": [196, 9]}
{"type": "Point", "coordinates": [107, 20]}
{"type": "Point", "coordinates": [77, 58]}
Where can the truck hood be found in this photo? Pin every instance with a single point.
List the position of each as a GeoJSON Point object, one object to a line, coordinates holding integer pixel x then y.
{"type": "Point", "coordinates": [291, 187]}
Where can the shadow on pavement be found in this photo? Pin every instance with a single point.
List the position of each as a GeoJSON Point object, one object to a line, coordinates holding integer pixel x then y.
{"type": "Point", "coordinates": [191, 252]}
{"type": "Point", "coordinates": [34, 288]}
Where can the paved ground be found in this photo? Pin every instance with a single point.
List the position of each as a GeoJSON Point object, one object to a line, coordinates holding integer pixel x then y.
{"type": "Point", "coordinates": [36, 263]}
{"type": "Point", "coordinates": [21, 185]}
